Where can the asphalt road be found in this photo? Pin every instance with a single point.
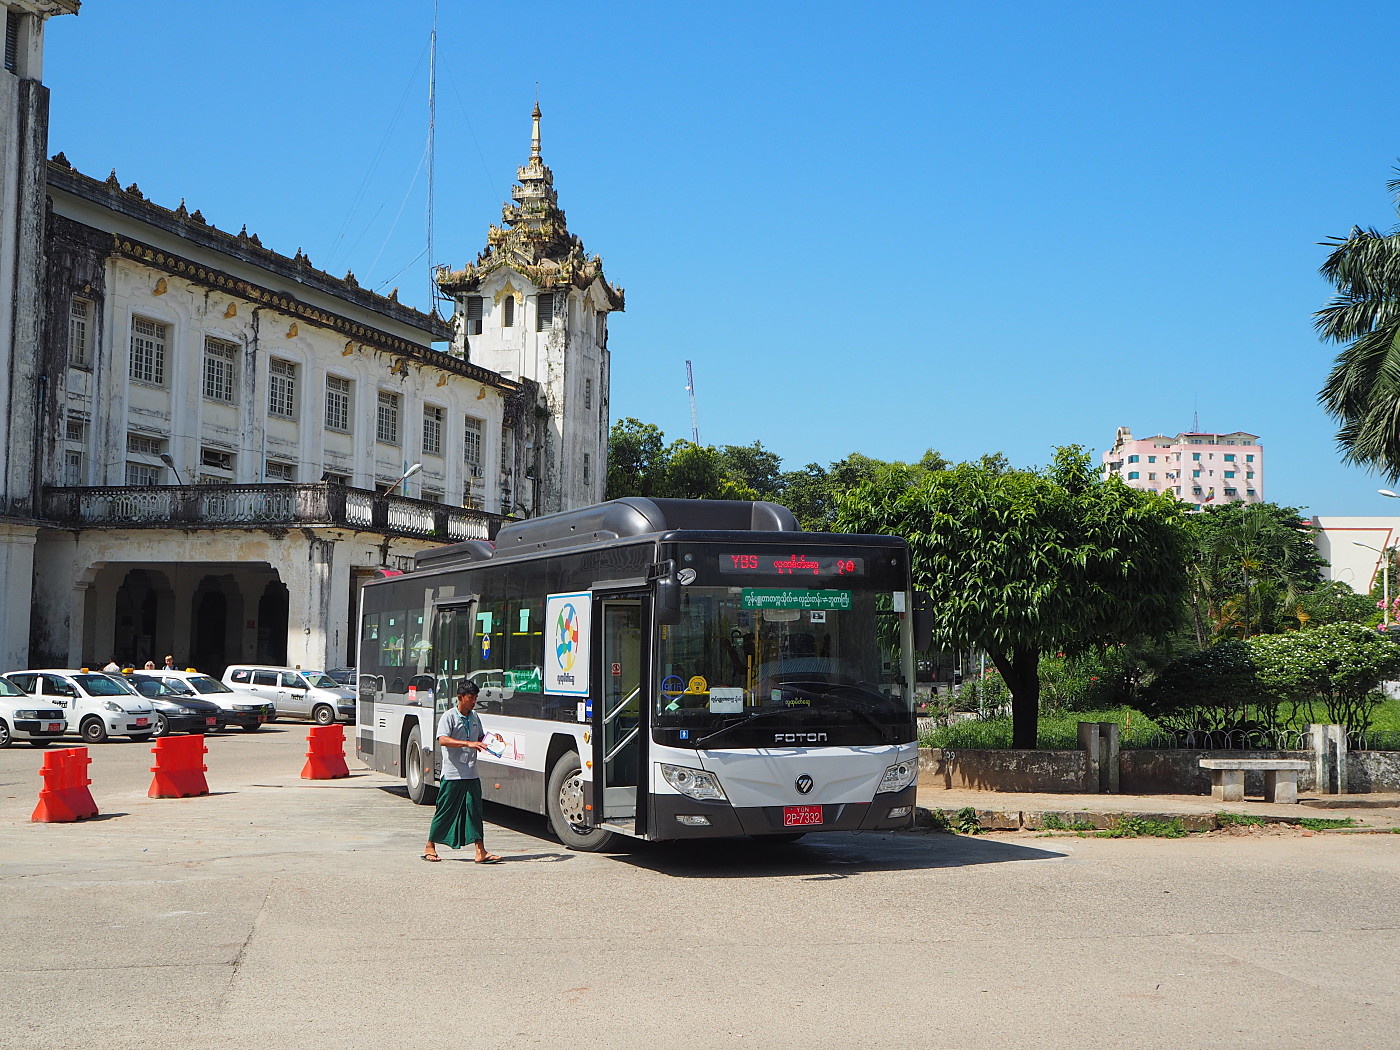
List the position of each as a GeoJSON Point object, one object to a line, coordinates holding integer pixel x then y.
{"type": "Point", "coordinates": [282, 913]}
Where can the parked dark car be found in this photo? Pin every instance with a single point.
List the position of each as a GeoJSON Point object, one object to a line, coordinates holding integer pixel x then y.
{"type": "Point", "coordinates": [176, 711]}
{"type": "Point", "coordinates": [235, 709]}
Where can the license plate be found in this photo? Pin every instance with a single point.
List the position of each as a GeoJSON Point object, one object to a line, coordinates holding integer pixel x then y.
{"type": "Point", "coordinates": [262, 718]}
{"type": "Point", "coordinates": [210, 721]}
{"type": "Point", "coordinates": [54, 727]}
{"type": "Point", "coordinates": [801, 816]}
{"type": "Point", "coordinates": [142, 721]}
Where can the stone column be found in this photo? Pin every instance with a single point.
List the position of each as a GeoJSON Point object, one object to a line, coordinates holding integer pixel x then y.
{"type": "Point", "coordinates": [1089, 744]}
{"type": "Point", "coordinates": [16, 579]}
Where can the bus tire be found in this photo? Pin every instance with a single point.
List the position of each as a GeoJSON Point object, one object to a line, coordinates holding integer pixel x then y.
{"type": "Point", "coordinates": [420, 792]}
{"type": "Point", "coordinates": [564, 802]}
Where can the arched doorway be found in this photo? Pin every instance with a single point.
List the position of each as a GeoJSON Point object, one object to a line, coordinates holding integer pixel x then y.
{"type": "Point", "coordinates": [140, 600]}
{"type": "Point", "coordinates": [272, 624]}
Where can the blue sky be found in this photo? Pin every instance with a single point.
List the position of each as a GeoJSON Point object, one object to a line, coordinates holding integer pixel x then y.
{"type": "Point", "coordinates": [972, 227]}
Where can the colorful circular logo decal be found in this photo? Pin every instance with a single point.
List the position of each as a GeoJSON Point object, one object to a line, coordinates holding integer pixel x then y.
{"type": "Point", "coordinates": [566, 637]}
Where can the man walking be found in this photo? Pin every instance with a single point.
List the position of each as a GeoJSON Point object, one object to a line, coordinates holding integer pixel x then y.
{"type": "Point", "coordinates": [457, 819]}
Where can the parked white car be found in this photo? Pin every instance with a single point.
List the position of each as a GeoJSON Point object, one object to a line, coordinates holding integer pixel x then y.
{"type": "Point", "coordinates": [296, 693]}
{"type": "Point", "coordinates": [21, 719]}
{"type": "Point", "coordinates": [95, 705]}
{"type": "Point", "coordinates": [235, 709]}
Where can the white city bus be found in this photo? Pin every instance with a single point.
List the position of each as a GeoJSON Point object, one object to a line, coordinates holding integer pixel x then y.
{"type": "Point", "coordinates": [661, 669]}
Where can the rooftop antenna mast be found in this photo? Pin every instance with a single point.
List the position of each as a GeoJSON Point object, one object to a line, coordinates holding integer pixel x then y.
{"type": "Point", "coordinates": [690, 389]}
{"type": "Point", "coordinates": [432, 136]}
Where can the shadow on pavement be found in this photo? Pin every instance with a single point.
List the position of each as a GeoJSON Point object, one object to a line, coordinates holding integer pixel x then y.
{"type": "Point", "coordinates": [823, 857]}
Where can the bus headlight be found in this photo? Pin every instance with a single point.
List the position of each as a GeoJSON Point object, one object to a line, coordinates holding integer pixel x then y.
{"type": "Point", "coordinates": [692, 783]}
{"type": "Point", "coordinates": [899, 776]}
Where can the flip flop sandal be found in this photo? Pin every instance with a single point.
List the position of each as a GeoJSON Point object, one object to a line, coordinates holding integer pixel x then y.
{"type": "Point", "coordinates": [433, 857]}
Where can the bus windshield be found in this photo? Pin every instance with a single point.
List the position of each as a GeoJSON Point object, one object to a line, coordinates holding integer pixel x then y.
{"type": "Point", "coordinates": [797, 653]}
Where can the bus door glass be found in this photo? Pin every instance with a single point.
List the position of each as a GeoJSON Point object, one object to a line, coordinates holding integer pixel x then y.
{"type": "Point", "coordinates": [617, 714]}
{"type": "Point", "coordinates": [453, 637]}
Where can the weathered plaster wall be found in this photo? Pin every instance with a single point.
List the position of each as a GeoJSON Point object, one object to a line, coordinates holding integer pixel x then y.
{"type": "Point", "coordinates": [1005, 770]}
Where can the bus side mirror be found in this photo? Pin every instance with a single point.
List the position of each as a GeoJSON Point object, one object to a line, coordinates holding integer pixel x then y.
{"type": "Point", "coordinates": [923, 622]}
{"type": "Point", "coordinates": [668, 600]}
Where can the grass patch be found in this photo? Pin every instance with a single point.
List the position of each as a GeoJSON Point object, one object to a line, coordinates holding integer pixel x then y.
{"type": "Point", "coordinates": [1326, 823]}
{"type": "Point", "coordinates": [1057, 731]}
{"type": "Point", "coordinates": [1050, 822]}
{"type": "Point", "coordinates": [1141, 827]}
{"type": "Point", "coordinates": [1239, 820]}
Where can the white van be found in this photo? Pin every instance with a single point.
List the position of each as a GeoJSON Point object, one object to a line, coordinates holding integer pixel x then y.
{"type": "Point", "coordinates": [95, 705]}
{"type": "Point", "coordinates": [294, 692]}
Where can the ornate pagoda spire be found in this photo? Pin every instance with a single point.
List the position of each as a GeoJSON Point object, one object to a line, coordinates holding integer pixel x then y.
{"type": "Point", "coordinates": [534, 236]}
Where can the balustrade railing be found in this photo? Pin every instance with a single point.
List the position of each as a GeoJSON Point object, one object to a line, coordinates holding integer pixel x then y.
{"type": "Point", "coordinates": [255, 506]}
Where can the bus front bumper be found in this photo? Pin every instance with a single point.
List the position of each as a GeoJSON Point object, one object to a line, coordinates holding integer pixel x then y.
{"type": "Point", "coordinates": [678, 817]}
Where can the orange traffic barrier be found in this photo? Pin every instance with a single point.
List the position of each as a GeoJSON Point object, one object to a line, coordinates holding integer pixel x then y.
{"type": "Point", "coordinates": [325, 755]}
{"type": "Point", "coordinates": [179, 769]}
{"type": "Point", "coordinates": [65, 795]}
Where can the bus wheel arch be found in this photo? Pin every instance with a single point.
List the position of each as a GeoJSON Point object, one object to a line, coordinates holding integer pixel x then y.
{"type": "Point", "coordinates": [420, 791]}
{"type": "Point", "coordinates": [564, 773]}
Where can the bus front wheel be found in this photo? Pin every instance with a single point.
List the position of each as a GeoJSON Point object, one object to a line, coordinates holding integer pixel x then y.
{"type": "Point", "coordinates": [565, 800]}
{"type": "Point", "coordinates": [420, 792]}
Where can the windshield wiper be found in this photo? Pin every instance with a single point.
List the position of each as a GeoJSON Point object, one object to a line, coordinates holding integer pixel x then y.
{"type": "Point", "coordinates": [742, 722]}
{"type": "Point", "coordinates": [823, 691]}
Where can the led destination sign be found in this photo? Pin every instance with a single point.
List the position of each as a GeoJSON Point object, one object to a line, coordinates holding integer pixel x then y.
{"type": "Point", "coordinates": [791, 565]}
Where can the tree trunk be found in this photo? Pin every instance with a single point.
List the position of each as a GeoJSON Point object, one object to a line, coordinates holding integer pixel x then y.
{"type": "Point", "coordinates": [1021, 673]}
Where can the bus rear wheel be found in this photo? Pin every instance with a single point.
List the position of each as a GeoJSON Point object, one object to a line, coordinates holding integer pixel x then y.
{"type": "Point", "coordinates": [420, 792]}
{"type": "Point", "coordinates": [565, 802]}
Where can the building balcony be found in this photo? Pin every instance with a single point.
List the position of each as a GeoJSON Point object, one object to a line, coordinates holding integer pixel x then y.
{"type": "Point", "coordinates": [265, 506]}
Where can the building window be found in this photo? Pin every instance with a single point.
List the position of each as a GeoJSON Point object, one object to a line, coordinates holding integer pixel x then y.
{"type": "Point", "coordinates": [472, 446]}
{"type": "Point", "coordinates": [148, 350]}
{"type": "Point", "coordinates": [11, 39]}
{"type": "Point", "coordinates": [1229, 492]}
{"type": "Point", "coordinates": [1132, 475]}
{"type": "Point", "coordinates": [430, 496]}
{"type": "Point", "coordinates": [332, 478]}
{"type": "Point", "coordinates": [142, 445]}
{"type": "Point", "coordinates": [338, 404]}
{"type": "Point", "coordinates": [1249, 492]}
{"type": "Point", "coordinates": [387, 429]}
{"type": "Point", "coordinates": [1249, 457]}
{"type": "Point", "coordinates": [1152, 459]}
{"type": "Point", "coordinates": [601, 328]}
{"type": "Point", "coordinates": [1195, 473]}
{"type": "Point", "coordinates": [506, 448]}
{"type": "Point", "coordinates": [1195, 455]}
{"type": "Point", "coordinates": [587, 468]}
{"type": "Point", "coordinates": [474, 315]}
{"type": "Point", "coordinates": [1132, 459]}
{"type": "Point", "coordinates": [72, 467]}
{"type": "Point", "coordinates": [1249, 475]}
{"type": "Point", "coordinates": [79, 332]}
{"type": "Point", "coordinates": [432, 430]}
{"type": "Point", "coordinates": [588, 393]}
{"type": "Point", "coordinates": [219, 364]}
{"type": "Point", "coordinates": [275, 470]}
{"type": "Point", "coordinates": [142, 475]}
{"type": "Point", "coordinates": [76, 430]}
{"type": "Point", "coordinates": [1229, 457]}
{"type": "Point", "coordinates": [1151, 476]}
{"type": "Point", "coordinates": [544, 311]}
{"type": "Point", "coordinates": [1229, 473]}
{"type": "Point", "coordinates": [216, 458]}
{"type": "Point", "coordinates": [281, 389]}
{"type": "Point", "coordinates": [508, 312]}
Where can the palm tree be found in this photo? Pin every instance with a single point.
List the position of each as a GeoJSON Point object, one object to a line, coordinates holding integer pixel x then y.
{"type": "Point", "coordinates": [1363, 390]}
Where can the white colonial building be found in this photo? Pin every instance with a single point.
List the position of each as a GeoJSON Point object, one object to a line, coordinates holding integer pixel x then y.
{"type": "Point", "coordinates": [212, 445]}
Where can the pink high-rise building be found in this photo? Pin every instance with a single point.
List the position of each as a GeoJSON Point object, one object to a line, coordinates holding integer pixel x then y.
{"type": "Point", "coordinates": [1195, 467]}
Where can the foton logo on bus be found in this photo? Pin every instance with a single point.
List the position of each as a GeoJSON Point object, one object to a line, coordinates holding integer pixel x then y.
{"type": "Point", "coordinates": [566, 659]}
{"type": "Point", "coordinates": [799, 738]}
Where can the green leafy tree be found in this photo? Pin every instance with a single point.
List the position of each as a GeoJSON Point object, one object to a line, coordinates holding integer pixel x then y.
{"type": "Point", "coordinates": [1207, 690]}
{"type": "Point", "coordinates": [1340, 665]}
{"type": "Point", "coordinates": [1253, 564]}
{"type": "Point", "coordinates": [1022, 562]}
{"type": "Point", "coordinates": [637, 458]}
{"type": "Point", "coordinates": [1363, 390]}
{"type": "Point", "coordinates": [755, 468]}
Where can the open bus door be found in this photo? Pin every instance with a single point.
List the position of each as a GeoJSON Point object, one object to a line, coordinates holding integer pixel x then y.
{"type": "Point", "coordinates": [619, 715]}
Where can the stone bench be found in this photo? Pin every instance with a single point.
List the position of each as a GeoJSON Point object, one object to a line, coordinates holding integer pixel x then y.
{"type": "Point", "coordinates": [1280, 777]}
